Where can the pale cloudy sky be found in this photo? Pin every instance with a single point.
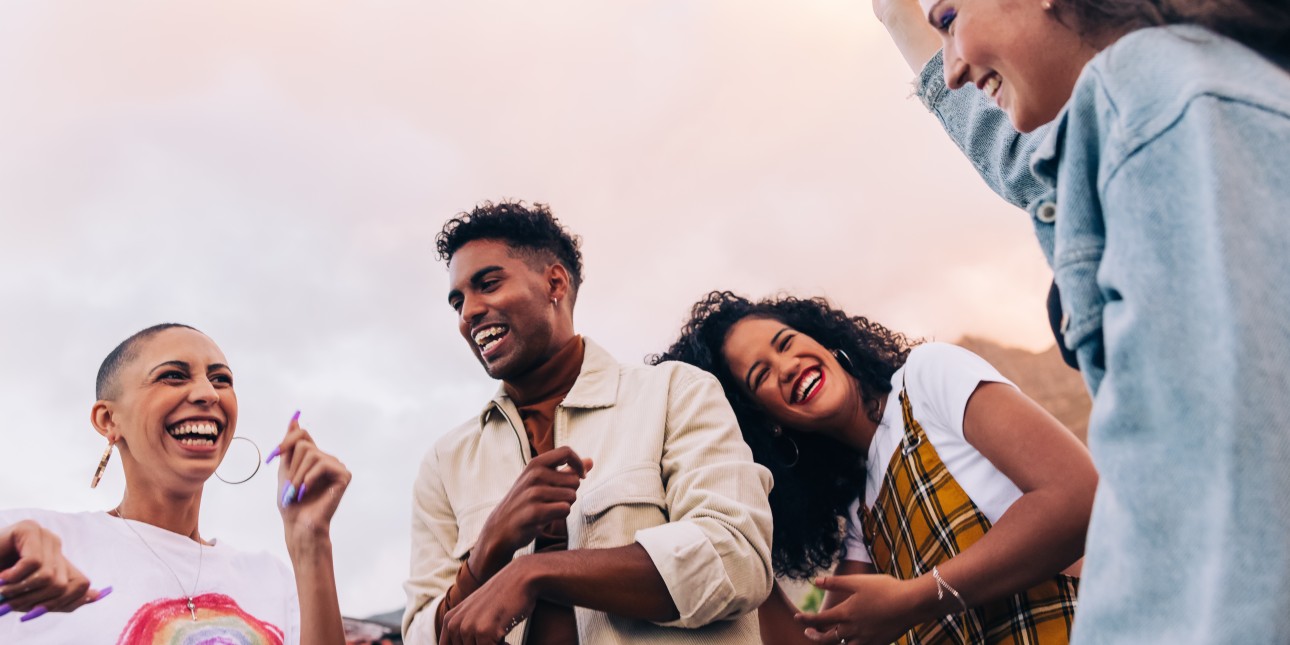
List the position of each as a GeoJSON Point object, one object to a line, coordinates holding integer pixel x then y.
{"type": "Point", "coordinates": [274, 174]}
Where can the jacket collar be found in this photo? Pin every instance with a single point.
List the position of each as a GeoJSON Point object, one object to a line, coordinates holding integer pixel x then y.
{"type": "Point", "coordinates": [1044, 160]}
{"type": "Point", "coordinates": [596, 387]}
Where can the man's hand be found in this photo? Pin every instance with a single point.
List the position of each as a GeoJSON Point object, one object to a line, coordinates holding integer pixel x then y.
{"type": "Point", "coordinates": [490, 613]}
{"type": "Point", "coordinates": [542, 494]}
{"type": "Point", "coordinates": [35, 576]}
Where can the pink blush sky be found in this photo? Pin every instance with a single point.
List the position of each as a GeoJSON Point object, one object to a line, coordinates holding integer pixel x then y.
{"type": "Point", "coordinates": [274, 174]}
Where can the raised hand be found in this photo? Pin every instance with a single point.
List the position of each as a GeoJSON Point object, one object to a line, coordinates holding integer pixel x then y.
{"type": "Point", "coordinates": [35, 576]}
{"type": "Point", "coordinates": [906, 23]}
{"type": "Point", "coordinates": [310, 484]}
{"type": "Point", "coordinates": [885, 9]}
{"type": "Point", "coordinates": [543, 493]}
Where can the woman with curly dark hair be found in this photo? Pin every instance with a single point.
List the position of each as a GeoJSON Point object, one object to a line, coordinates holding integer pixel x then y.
{"type": "Point", "coordinates": [965, 505]}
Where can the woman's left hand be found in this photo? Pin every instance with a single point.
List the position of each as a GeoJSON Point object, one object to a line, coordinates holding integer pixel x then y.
{"type": "Point", "coordinates": [880, 610]}
{"type": "Point", "coordinates": [310, 484]}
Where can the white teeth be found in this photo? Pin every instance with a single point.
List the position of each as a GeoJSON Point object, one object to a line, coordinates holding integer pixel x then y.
{"type": "Point", "coordinates": [992, 85]}
{"type": "Point", "coordinates": [805, 385]}
{"type": "Point", "coordinates": [487, 337]}
{"type": "Point", "coordinates": [200, 428]}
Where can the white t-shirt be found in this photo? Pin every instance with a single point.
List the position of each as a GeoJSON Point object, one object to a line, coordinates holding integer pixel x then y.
{"type": "Point", "coordinates": [939, 378]}
{"type": "Point", "coordinates": [240, 597]}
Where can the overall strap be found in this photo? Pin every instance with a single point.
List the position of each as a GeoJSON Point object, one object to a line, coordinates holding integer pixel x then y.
{"type": "Point", "coordinates": [912, 431]}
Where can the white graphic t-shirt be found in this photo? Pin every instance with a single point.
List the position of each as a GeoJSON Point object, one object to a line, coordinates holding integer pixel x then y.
{"type": "Point", "coordinates": [245, 598]}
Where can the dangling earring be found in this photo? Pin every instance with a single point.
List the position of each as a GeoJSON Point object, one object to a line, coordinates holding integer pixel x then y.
{"type": "Point", "coordinates": [555, 302]}
{"type": "Point", "coordinates": [98, 472]}
{"type": "Point", "coordinates": [844, 360]}
{"type": "Point", "coordinates": [253, 472]}
{"type": "Point", "coordinates": [785, 448]}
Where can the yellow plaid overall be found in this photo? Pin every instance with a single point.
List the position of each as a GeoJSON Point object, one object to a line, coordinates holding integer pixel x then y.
{"type": "Point", "coordinates": [923, 518]}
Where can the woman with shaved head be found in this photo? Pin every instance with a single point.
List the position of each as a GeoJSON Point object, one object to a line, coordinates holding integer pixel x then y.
{"type": "Point", "coordinates": [167, 405]}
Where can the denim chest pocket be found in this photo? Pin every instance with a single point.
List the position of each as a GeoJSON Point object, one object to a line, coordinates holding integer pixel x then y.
{"type": "Point", "coordinates": [1075, 272]}
{"type": "Point", "coordinates": [620, 505]}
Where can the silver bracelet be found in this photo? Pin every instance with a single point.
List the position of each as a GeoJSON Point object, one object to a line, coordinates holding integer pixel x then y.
{"type": "Point", "coordinates": [942, 587]}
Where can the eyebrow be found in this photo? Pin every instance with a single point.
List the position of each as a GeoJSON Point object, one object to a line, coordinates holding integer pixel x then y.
{"type": "Point", "coordinates": [475, 279]}
{"type": "Point", "coordinates": [187, 368]}
{"type": "Point", "coordinates": [773, 340]}
{"type": "Point", "coordinates": [930, 20]}
{"type": "Point", "coordinates": [181, 364]}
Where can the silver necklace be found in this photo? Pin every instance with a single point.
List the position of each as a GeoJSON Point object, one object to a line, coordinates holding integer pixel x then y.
{"type": "Point", "coordinates": [192, 606]}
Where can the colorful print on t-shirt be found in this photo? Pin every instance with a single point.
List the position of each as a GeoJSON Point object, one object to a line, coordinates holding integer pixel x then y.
{"type": "Point", "coordinates": [220, 621]}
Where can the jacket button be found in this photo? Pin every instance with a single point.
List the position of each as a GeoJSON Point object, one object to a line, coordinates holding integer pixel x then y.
{"type": "Point", "coordinates": [1046, 213]}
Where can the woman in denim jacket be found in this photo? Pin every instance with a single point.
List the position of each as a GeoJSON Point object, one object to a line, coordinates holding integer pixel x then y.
{"type": "Point", "coordinates": [1156, 171]}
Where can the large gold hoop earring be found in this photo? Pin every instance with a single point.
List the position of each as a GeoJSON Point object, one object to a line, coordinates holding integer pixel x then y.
{"type": "Point", "coordinates": [98, 472]}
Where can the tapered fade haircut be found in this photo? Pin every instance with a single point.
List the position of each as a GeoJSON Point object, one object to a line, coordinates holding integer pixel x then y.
{"type": "Point", "coordinates": [106, 386]}
{"type": "Point", "coordinates": [531, 231]}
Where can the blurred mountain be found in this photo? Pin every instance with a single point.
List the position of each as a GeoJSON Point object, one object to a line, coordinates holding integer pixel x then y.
{"type": "Point", "coordinates": [1043, 376]}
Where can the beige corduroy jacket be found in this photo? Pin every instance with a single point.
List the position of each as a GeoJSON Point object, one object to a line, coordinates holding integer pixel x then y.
{"type": "Point", "coordinates": [672, 473]}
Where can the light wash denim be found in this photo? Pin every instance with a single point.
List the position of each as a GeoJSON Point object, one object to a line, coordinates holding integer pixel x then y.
{"type": "Point", "coordinates": [1161, 198]}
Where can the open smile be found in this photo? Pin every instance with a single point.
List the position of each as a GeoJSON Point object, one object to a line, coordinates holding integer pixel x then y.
{"type": "Point", "coordinates": [198, 435]}
{"type": "Point", "coordinates": [489, 338]}
{"type": "Point", "coordinates": [991, 84]}
{"type": "Point", "coordinates": [808, 384]}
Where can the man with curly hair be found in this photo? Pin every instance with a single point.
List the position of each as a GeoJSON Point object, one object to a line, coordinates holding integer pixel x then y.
{"type": "Point", "coordinates": [589, 501]}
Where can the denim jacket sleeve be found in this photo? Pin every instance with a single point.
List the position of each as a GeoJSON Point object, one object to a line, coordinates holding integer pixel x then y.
{"type": "Point", "coordinates": [1000, 154]}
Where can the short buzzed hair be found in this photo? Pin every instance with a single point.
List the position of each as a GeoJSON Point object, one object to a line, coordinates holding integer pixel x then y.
{"type": "Point", "coordinates": [105, 386]}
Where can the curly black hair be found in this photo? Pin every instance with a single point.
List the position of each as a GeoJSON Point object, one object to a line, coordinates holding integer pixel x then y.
{"type": "Point", "coordinates": [531, 230]}
{"type": "Point", "coordinates": [814, 489]}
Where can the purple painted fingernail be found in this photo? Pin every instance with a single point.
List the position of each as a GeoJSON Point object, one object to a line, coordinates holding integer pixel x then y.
{"type": "Point", "coordinates": [102, 593]}
{"type": "Point", "coordinates": [302, 493]}
{"type": "Point", "coordinates": [296, 416]}
{"type": "Point", "coordinates": [33, 614]}
{"type": "Point", "coordinates": [277, 450]}
{"type": "Point", "coordinates": [4, 609]}
{"type": "Point", "coordinates": [288, 492]}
